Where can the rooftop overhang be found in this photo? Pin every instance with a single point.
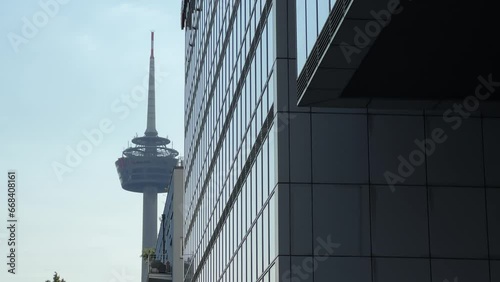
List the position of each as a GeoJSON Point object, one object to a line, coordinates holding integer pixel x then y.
{"type": "Point", "coordinates": [401, 51]}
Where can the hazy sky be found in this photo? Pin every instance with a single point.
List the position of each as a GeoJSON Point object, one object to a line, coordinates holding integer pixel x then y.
{"type": "Point", "coordinates": [66, 74]}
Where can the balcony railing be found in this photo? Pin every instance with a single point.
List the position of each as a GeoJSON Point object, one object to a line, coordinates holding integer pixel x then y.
{"type": "Point", "coordinates": [158, 270]}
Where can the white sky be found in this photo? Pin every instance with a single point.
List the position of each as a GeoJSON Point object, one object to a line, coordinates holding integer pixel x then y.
{"type": "Point", "coordinates": [64, 79]}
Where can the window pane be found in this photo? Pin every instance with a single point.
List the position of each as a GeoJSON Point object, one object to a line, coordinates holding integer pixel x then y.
{"type": "Point", "coordinates": [272, 228]}
{"type": "Point", "coordinates": [301, 34]}
{"type": "Point", "coordinates": [312, 30]}
{"type": "Point", "coordinates": [254, 191]}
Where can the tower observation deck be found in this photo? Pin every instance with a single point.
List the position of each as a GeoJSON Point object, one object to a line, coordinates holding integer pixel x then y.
{"type": "Point", "coordinates": [147, 167]}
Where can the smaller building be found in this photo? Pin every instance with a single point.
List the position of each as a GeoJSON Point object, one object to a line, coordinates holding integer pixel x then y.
{"type": "Point", "coordinates": [169, 264]}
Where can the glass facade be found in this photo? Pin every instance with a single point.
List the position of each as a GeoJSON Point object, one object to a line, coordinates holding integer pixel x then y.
{"type": "Point", "coordinates": [311, 17]}
{"type": "Point", "coordinates": [169, 242]}
{"type": "Point", "coordinates": [276, 192]}
{"type": "Point", "coordinates": [229, 158]}
{"type": "Point", "coordinates": [164, 242]}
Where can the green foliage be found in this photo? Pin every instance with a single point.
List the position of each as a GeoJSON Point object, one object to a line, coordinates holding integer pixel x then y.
{"type": "Point", "coordinates": [148, 254]}
{"type": "Point", "coordinates": [56, 278]}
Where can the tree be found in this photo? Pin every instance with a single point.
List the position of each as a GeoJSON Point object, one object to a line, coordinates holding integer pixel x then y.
{"type": "Point", "coordinates": [148, 254]}
{"type": "Point", "coordinates": [56, 278]}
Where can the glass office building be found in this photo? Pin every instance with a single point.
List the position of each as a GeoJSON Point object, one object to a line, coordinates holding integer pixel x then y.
{"type": "Point", "coordinates": [357, 183]}
{"type": "Point", "coordinates": [230, 157]}
{"type": "Point", "coordinates": [405, 135]}
{"type": "Point", "coordinates": [168, 249]}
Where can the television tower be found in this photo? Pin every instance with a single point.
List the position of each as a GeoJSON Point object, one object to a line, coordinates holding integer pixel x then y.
{"type": "Point", "coordinates": [147, 167]}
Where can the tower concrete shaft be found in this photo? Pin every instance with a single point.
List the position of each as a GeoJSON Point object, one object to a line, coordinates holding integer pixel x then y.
{"type": "Point", "coordinates": [149, 223]}
{"type": "Point", "coordinates": [147, 168]}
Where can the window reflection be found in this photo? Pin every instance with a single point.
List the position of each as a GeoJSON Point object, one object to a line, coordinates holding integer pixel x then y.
{"type": "Point", "coordinates": [255, 100]}
{"type": "Point", "coordinates": [259, 181]}
{"type": "Point", "coordinates": [272, 157]}
{"type": "Point", "coordinates": [312, 24]}
{"type": "Point", "coordinates": [273, 248]}
{"type": "Point", "coordinates": [301, 34]}
{"type": "Point", "coordinates": [311, 16]}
